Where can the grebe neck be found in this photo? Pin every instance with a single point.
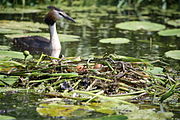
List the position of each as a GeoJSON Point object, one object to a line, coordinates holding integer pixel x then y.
{"type": "Point", "coordinates": [54, 39]}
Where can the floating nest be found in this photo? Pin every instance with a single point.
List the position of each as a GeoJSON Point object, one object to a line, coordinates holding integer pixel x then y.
{"type": "Point", "coordinates": [110, 76]}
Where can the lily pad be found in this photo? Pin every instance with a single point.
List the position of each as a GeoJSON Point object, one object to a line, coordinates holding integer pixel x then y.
{"type": "Point", "coordinates": [62, 37]}
{"type": "Point", "coordinates": [4, 117]}
{"type": "Point", "coordinates": [111, 117]}
{"type": "Point", "coordinates": [7, 55]}
{"type": "Point", "coordinates": [140, 25]}
{"type": "Point", "coordinates": [115, 40]}
{"type": "Point", "coordinates": [19, 10]}
{"type": "Point", "coordinates": [175, 23]}
{"type": "Point", "coordinates": [175, 54]}
{"type": "Point", "coordinates": [2, 47]}
{"type": "Point", "coordinates": [10, 26]}
{"type": "Point", "coordinates": [58, 110]}
{"type": "Point", "coordinates": [170, 32]}
{"type": "Point", "coordinates": [148, 114]}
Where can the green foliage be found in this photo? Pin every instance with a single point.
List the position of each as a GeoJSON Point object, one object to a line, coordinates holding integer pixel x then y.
{"type": "Point", "coordinates": [170, 32]}
{"type": "Point", "coordinates": [140, 25]}
{"type": "Point", "coordinates": [175, 54]}
{"type": "Point", "coordinates": [7, 55]}
{"type": "Point", "coordinates": [148, 114]}
{"type": "Point", "coordinates": [175, 23]}
{"type": "Point", "coordinates": [4, 117]}
{"type": "Point", "coordinates": [115, 40]}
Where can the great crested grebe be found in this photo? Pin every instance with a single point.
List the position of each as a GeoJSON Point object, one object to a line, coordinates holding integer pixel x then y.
{"type": "Point", "coordinates": [53, 46]}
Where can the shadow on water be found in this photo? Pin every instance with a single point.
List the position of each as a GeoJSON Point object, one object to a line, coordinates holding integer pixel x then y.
{"type": "Point", "coordinates": [21, 105]}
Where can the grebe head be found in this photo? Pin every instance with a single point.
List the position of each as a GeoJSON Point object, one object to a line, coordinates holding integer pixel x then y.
{"type": "Point", "coordinates": [54, 14]}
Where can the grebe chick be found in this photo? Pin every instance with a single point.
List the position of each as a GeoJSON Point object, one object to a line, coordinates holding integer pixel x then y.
{"type": "Point", "coordinates": [53, 46]}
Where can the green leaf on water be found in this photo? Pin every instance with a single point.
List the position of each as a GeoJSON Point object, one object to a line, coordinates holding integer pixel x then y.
{"type": "Point", "coordinates": [62, 37]}
{"type": "Point", "coordinates": [111, 117]}
{"type": "Point", "coordinates": [16, 10]}
{"type": "Point", "coordinates": [4, 117]}
{"type": "Point", "coordinates": [170, 32]}
{"type": "Point", "coordinates": [155, 70]}
{"type": "Point", "coordinates": [7, 55]}
{"type": "Point", "coordinates": [148, 114]}
{"type": "Point", "coordinates": [175, 54]}
{"type": "Point", "coordinates": [2, 47]}
{"type": "Point", "coordinates": [10, 26]}
{"type": "Point", "coordinates": [58, 110]}
{"type": "Point", "coordinates": [140, 25]}
{"type": "Point", "coordinates": [115, 40]}
{"type": "Point", "coordinates": [175, 23]}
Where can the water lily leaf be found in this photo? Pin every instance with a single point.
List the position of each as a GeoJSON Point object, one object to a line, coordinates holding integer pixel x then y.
{"type": "Point", "coordinates": [112, 117]}
{"type": "Point", "coordinates": [62, 37]}
{"type": "Point", "coordinates": [140, 25]}
{"type": "Point", "coordinates": [7, 55]}
{"type": "Point", "coordinates": [115, 40]}
{"type": "Point", "coordinates": [155, 70]}
{"type": "Point", "coordinates": [2, 47]}
{"type": "Point", "coordinates": [19, 10]}
{"type": "Point", "coordinates": [10, 26]}
{"type": "Point", "coordinates": [9, 31]}
{"type": "Point", "coordinates": [175, 23]}
{"type": "Point", "coordinates": [175, 54]}
{"type": "Point", "coordinates": [58, 110]}
{"type": "Point", "coordinates": [170, 32]}
{"type": "Point", "coordinates": [148, 114]}
{"type": "Point", "coordinates": [4, 117]}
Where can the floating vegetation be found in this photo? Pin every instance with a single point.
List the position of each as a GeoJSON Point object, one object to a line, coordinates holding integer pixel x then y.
{"type": "Point", "coordinates": [5, 117]}
{"type": "Point", "coordinates": [170, 32]}
{"type": "Point", "coordinates": [140, 25]}
{"type": "Point", "coordinates": [175, 23]}
{"type": "Point", "coordinates": [64, 37]}
{"type": "Point", "coordinates": [107, 85]}
{"type": "Point", "coordinates": [6, 55]}
{"type": "Point", "coordinates": [10, 26]}
{"type": "Point", "coordinates": [115, 40]}
{"type": "Point", "coordinates": [19, 10]}
{"type": "Point", "coordinates": [175, 54]}
{"type": "Point", "coordinates": [2, 47]}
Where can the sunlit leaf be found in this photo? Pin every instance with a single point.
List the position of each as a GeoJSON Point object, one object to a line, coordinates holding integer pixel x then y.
{"type": "Point", "coordinates": [140, 25]}
{"type": "Point", "coordinates": [16, 10]}
{"type": "Point", "coordinates": [175, 54]}
{"type": "Point", "coordinates": [58, 110]}
{"type": "Point", "coordinates": [115, 40]}
{"type": "Point", "coordinates": [170, 32]}
{"type": "Point", "coordinates": [148, 114]}
{"type": "Point", "coordinates": [175, 23]}
{"type": "Point", "coordinates": [2, 47]}
{"type": "Point", "coordinates": [111, 117]}
{"type": "Point", "coordinates": [6, 55]}
{"type": "Point", "coordinates": [155, 70]}
{"type": "Point", "coordinates": [4, 117]}
{"type": "Point", "coordinates": [10, 26]}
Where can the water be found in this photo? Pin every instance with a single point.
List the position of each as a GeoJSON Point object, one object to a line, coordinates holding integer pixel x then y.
{"type": "Point", "coordinates": [143, 45]}
{"type": "Point", "coordinates": [146, 44]}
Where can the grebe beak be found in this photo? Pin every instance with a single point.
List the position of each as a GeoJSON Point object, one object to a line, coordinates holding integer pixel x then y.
{"type": "Point", "coordinates": [64, 15]}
